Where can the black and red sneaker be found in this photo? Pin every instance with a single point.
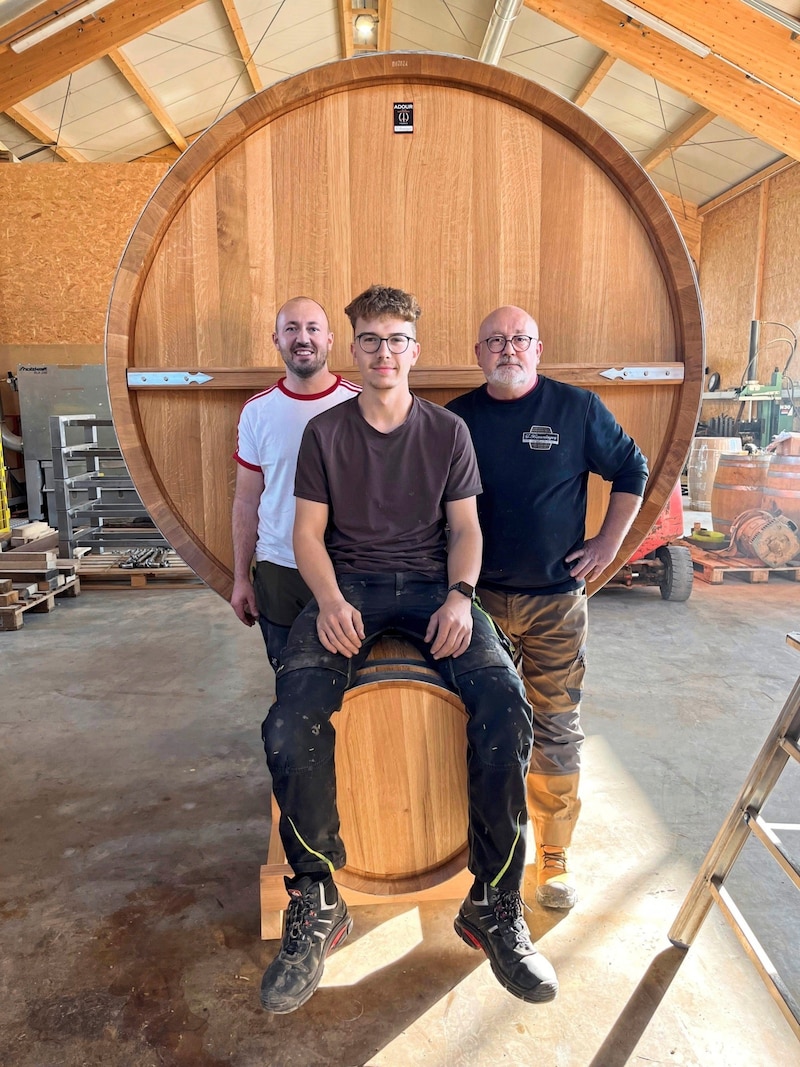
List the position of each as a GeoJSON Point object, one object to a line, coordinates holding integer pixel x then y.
{"type": "Point", "coordinates": [316, 921]}
{"type": "Point", "coordinates": [492, 919]}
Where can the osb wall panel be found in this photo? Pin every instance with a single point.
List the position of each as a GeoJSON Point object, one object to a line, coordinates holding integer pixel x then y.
{"type": "Point", "coordinates": [727, 285]}
{"type": "Point", "coordinates": [689, 223]}
{"type": "Point", "coordinates": [780, 300]}
{"type": "Point", "coordinates": [64, 229]}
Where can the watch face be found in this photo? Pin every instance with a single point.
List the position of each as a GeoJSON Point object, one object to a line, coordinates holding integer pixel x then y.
{"type": "Point", "coordinates": [465, 588]}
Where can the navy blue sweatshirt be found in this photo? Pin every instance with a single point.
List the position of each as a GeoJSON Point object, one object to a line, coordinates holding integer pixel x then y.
{"type": "Point", "coordinates": [535, 455]}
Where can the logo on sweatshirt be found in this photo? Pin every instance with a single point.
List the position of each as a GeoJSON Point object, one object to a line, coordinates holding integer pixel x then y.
{"type": "Point", "coordinates": [540, 438]}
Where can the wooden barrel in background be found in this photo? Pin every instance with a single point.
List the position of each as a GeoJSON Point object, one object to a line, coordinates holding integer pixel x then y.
{"type": "Point", "coordinates": [402, 803]}
{"type": "Point", "coordinates": [701, 468]}
{"type": "Point", "coordinates": [738, 487]}
{"type": "Point", "coordinates": [503, 193]}
{"type": "Point", "coordinates": [782, 487]}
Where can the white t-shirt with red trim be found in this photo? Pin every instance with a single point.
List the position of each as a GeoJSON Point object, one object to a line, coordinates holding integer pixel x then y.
{"type": "Point", "coordinates": [270, 430]}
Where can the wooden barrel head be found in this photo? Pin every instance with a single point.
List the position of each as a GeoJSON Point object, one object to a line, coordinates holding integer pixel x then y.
{"type": "Point", "coordinates": [401, 775]}
{"type": "Point", "coordinates": [503, 193]}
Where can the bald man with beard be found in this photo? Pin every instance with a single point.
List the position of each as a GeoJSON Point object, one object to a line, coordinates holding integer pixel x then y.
{"type": "Point", "coordinates": [537, 440]}
{"type": "Point", "coordinates": [270, 429]}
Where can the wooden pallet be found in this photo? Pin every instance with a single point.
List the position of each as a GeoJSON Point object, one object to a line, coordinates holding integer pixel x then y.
{"type": "Point", "coordinates": [104, 572]}
{"type": "Point", "coordinates": [715, 567]}
{"type": "Point", "coordinates": [11, 615]}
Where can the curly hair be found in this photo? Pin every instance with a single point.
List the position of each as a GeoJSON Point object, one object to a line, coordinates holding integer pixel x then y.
{"type": "Point", "coordinates": [380, 301]}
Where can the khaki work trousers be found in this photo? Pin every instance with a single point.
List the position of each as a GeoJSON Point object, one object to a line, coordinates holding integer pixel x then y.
{"type": "Point", "coordinates": [549, 634]}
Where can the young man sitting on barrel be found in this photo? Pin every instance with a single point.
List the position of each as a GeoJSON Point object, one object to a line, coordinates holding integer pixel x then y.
{"type": "Point", "coordinates": [379, 478]}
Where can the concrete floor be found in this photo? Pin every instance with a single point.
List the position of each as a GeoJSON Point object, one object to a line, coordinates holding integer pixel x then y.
{"type": "Point", "coordinates": [135, 818]}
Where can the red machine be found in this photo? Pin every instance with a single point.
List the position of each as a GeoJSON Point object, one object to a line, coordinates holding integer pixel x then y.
{"type": "Point", "coordinates": [657, 561]}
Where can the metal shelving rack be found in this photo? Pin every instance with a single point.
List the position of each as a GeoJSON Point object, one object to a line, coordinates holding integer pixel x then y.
{"type": "Point", "coordinates": [93, 492]}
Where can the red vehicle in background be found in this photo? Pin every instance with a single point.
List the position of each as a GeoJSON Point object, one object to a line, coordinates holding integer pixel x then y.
{"type": "Point", "coordinates": [658, 560]}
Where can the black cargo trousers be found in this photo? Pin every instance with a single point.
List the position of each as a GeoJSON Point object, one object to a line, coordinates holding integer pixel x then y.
{"type": "Point", "coordinates": [310, 686]}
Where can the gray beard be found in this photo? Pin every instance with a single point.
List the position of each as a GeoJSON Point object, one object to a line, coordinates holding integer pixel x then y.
{"type": "Point", "coordinates": [507, 374]}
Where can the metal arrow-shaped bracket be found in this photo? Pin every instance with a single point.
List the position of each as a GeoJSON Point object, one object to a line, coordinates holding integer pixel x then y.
{"type": "Point", "coordinates": [161, 378]}
{"type": "Point", "coordinates": [645, 374]}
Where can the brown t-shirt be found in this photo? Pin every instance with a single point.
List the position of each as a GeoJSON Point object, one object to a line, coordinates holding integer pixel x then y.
{"type": "Point", "coordinates": [386, 491]}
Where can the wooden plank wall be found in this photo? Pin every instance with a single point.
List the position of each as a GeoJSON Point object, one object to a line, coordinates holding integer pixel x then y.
{"type": "Point", "coordinates": [749, 268]}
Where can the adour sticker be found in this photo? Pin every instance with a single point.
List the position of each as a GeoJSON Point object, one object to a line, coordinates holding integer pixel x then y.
{"type": "Point", "coordinates": [403, 118]}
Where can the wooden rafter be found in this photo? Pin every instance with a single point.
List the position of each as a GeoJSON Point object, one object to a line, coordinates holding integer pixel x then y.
{"type": "Point", "coordinates": [678, 137]}
{"type": "Point", "coordinates": [740, 34]}
{"type": "Point", "coordinates": [28, 121]}
{"type": "Point", "coordinates": [712, 82]}
{"type": "Point", "coordinates": [746, 185]}
{"type": "Point", "coordinates": [27, 73]}
{"type": "Point", "coordinates": [242, 44]}
{"type": "Point", "coordinates": [145, 94]}
{"type": "Point", "coordinates": [590, 85]}
{"type": "Point", "coordinates": [384, 25]}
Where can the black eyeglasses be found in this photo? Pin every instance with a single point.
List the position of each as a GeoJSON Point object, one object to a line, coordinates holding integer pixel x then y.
{"type": "Point", "coordinates": [397, 343]}
{"type": "Point", "coordinates": [520, 342]}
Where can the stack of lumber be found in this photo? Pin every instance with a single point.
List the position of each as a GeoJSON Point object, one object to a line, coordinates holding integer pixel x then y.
{"type": "Point", "coordinates": [37, 534]}
{"type": "Point", "coordinates": [30, 581]}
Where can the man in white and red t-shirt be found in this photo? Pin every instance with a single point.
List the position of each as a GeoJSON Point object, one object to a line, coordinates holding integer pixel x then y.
{"type": "Point", "coordinates": [270, 429]}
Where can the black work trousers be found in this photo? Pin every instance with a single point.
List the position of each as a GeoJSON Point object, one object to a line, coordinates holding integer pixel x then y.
{"type": "Point", "coordinates": [310, 686]}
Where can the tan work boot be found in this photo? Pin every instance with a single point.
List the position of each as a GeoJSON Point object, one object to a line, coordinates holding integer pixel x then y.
{"type": "Point", "coordinates": [554, 889]}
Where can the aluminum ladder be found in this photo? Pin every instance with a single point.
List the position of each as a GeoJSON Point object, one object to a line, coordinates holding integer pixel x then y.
{"type": "Point", "coordinates": [744, 819]}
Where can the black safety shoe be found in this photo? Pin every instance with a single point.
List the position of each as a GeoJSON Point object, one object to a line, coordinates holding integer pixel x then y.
{"type": "Point", "coordinates": [316, 921]}
{"type": "Point", "coordinates": [494, 923]}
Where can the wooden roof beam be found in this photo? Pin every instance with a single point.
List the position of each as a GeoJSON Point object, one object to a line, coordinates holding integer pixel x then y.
{"type": "Point", "coordinates": [736, 32]}
{"type": "Point", "coordinates": [674, 140]}
{"type": "Point", "coordinates": [242, 44]}
{"type": "Point", "coordinates": [129, 73]}
{"type": "Point", "coordinates": [76, 46]}
{"type": "Point", "coordinates": [745, 186]}
{"type": "Point", "coordinates": [711, 82]}
{"type": "Point", "coordinates": [47, 137]}
{"type": "Point", "coordinates": [589, 87]}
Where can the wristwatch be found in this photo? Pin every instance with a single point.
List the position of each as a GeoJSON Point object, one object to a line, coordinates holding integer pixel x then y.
{"type": "Point", "coordinates": [463, 587]}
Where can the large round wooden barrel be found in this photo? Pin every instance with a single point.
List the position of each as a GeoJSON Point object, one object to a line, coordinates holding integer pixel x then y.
{"type": "Point", "coordinates": [401, 777]}
{"type": "Point", "coordinates": [701, 467]}
{"type": "Point", "coordinates": [782, 487]}
{"type": "Point", "coordinates": [738, 487]}
{"type": "Point", "coordinates": [502, 193]}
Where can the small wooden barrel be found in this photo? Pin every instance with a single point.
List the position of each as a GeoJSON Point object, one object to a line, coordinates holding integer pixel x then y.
{"type": "Point", "coordinates": [738, 487]}
{"type": "Point", "coordinates": [782, 487]}
{"type": "Point", "coordinates": [401, 775]}
{"type": "Point", "coordinates": [701, 468]}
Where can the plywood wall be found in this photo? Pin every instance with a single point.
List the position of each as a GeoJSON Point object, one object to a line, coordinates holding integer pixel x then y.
{"type": "Point", "coordinates": [749, 268]}
{"type": "Point", "coordinates": [64, 228]}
